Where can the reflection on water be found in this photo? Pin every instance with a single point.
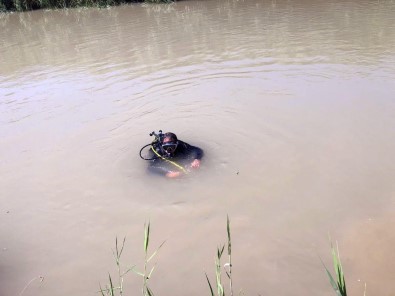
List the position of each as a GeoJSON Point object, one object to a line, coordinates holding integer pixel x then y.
{"type": "Point", "coordinates": [143, 36]}
{"type": "Point", "coordinates": [292, 103]}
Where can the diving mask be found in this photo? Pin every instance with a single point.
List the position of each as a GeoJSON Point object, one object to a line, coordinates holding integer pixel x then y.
{"type": "Point", "coordinates": [170, 147]}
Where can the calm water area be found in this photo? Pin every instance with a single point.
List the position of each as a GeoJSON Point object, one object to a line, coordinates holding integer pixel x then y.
{"type": "Point", "coordinates": [293, 103]}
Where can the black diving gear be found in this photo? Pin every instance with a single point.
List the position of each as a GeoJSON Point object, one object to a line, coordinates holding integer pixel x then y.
{"type": "Point", "coordinates": [156, 145]}
{"type": "Point", "coordinates": [183, 156]}
{"type": "Point", "coordinates": [171, 156]}
{"type": "Point", "coordinates": [170, 147]}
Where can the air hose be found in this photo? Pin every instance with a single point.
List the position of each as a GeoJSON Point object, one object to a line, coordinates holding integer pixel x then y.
{"type": "Point", "coordinates": [157, 155]}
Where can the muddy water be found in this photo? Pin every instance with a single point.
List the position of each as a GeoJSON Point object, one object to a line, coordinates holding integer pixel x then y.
{"type": "Point", "coordinates": [293, 103]}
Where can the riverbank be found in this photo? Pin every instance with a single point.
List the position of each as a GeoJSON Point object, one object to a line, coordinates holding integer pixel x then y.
{"type": "Point", "coordinates": [26, 5]}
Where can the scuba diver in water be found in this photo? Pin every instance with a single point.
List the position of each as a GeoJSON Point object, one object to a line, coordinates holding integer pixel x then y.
{"type": "Point", "coordinates": [171, 157]}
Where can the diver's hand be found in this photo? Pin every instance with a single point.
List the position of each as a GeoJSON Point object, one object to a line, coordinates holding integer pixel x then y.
{"type": "Point", "coordinates": [195, 164]}
{"type": "Point", "coordinates": [172, 174]}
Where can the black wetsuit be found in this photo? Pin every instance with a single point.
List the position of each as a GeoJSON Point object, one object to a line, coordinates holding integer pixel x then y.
{"type": "Point", "coordinates": [184, 156]}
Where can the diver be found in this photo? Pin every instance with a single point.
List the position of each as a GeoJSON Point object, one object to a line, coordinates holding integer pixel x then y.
{"type": "Point", "coordinates": [171, 157]}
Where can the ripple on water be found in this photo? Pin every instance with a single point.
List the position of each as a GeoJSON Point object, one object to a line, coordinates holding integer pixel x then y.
{"type": "Point", "coordinates": [292, 102]}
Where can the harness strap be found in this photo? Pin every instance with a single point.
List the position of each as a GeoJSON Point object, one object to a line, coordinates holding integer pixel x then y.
{"type": "Point", "coordinates": [172, 162]}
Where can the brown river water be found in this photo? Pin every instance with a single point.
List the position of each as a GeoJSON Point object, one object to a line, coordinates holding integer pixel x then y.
{"type": "Point", "coordinates": [293, 103]}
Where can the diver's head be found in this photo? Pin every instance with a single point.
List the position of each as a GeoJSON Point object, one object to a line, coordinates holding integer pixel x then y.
{"type": "Point", "coordinates": [169, 143]}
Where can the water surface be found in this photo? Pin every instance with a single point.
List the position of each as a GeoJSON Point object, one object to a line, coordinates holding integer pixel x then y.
{"type": "Point", "coordinates": [293, 103]}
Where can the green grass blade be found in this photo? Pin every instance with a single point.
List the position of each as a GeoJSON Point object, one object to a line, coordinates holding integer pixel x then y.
{"type": "Point", "coordinates": [123, 244]}
{"type": "Point", "coordinates": [227, 273]}
{"type": "Point", "coordinates": [209, 284]}
{"type": "Point", "coordinates": [331, 280]}
{"type": "Point", "coordinates": [101, 290]}
{"type": "Point", "coordinates": [341, 283]}
{"type": "Point", "coordinates": [137, 272]}
{"type": "Point", "coordinates": [156, 251]}
{"type": "Point", "coordinates": [146, 236]}
{"type": "Point", "coordinates": [335, 262]}
{"type": "Point", "coordinates": [115, 257]}
{"type": "Point", "coordinates": [116, 247]}
{"type": "Point", "coordinates": [129, 269]}
{"type": "Point", "coordinates": [220, 289]}
{"type": "Point", "coordinates": [152, 270]}
{"type": "Point", "coordinates": [342, 287]}
{"type": "Point", "coordinates": [111, 286]}
{"type": "Point", "coordinates": [220, 251]}
{"type": "Point", "coordinates": [228, 230]}
{"type": "Point", "coordinates": [149, 291]}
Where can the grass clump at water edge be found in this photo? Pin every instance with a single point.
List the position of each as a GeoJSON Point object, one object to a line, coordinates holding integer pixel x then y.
{"type": "Point", "coordinates": [26, 5]}
{"type": "Point", "coordinates": [338, 282]}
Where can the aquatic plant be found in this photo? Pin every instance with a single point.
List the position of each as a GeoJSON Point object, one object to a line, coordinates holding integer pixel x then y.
{"type": "Point", "coordinates": [340, 284]}
{"type": "Point", "coordinates": [218, 266]}
{"type": "Point", "coordinates": [110, 289]}
{"type": "Point", "coordinates": [147, 275]}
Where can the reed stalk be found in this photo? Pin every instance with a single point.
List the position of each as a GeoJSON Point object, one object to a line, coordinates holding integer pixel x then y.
{"type": "Point", "coordinates": [229, 255]}
{"type": "Point", "coordinates": [146, 290]}
{"type": "Point", "coordinates": [110, 289]}
{"type": "Point", "coordinates": [218, 267]}
{"type": "Point", "coordinates": [337, 281]}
